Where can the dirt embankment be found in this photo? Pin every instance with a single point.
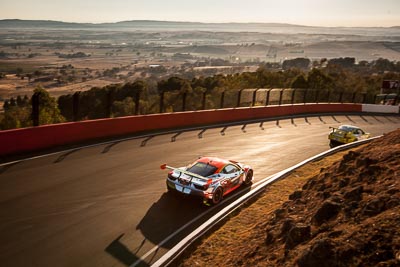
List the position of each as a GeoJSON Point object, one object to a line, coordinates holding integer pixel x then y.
{"type": "Point", "coordinates": [345, 214]}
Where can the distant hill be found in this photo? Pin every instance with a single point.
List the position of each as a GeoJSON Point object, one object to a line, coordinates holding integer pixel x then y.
{"type": "Point", "coordinates": [153, 25]}
{"type": "Point", "coordinates": [17, 23]}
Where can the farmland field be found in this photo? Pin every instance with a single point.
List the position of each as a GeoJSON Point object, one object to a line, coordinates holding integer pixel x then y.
{"type": "Point", "coordinates": [67, 60]}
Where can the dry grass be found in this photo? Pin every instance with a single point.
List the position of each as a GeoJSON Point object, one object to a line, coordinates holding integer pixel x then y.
{"type": "Point", "coordinates": [243, 232]}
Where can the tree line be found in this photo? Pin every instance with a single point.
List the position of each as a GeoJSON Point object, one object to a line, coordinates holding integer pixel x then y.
{"type": "Point", "coordinates": [146, 97]}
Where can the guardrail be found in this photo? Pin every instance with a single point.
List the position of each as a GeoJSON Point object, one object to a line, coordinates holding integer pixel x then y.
{"type": "Point", "coordinates": [179, 248]}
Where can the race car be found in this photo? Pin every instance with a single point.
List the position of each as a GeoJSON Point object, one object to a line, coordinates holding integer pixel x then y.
{"type": "Point", "coordinates": [209, 178]}
{"type": "Point", "coordinates": [345, 134]}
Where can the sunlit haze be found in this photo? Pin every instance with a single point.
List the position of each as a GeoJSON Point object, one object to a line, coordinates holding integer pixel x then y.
{"type": "Point", "coordinates": [371, 13]}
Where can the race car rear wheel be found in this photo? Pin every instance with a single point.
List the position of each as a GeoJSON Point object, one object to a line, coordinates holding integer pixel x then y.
{"type": "Point", "coordinates": [217, 196]}
{"type": "Point", "coordinates": [249, 177]}
{"type": "Point", "coordinates": [333, 144]}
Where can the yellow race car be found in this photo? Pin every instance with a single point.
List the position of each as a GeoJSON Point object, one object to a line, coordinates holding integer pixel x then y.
{"type": "Point", "coordinates": [345, 134]}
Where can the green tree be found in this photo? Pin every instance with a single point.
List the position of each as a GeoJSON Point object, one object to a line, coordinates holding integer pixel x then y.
{"type": "Point", "coordinates": [20, 102]}
{"type": "Point", "coordinates": [48, 110]}
{"type": "Point", "coordinates": [300, 82]}
{"type": "Point", "coordinates": [16, 117]}
{"type": "Point", "coordinates": [13, 102]}
{"type": "Point", "coordinates": [131, 89]}
{"type": "Point", "coordinates": [347, 62]}
{"type": "Point", "coordinates": [172, 84]}
{"type": "Point", "coordinates": [300, 63]}
{"type": "Point", "coordinates": [125, 107]}
{"type": "Point", "coordinates": [318, 80]}
{"type": "Point", "coordinates": [383, 64]}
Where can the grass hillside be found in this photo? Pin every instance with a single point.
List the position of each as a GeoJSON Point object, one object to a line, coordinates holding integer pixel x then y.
{"type": "Point", "coordinates": [341, 211]}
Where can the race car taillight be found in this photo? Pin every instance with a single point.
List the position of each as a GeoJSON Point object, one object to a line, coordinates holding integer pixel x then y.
{"type": "Point", "coordinates": [205, 186]}
{"type": "Point", "coordinates": [170, 176]}
{"type": "Point", "coordinates": [209, 181]}
{"type": "Point", "coordinates": [201, 187]}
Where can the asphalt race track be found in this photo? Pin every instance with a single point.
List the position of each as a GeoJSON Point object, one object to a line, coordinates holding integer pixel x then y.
{"type": "Point", "coordinates": [107, 205]}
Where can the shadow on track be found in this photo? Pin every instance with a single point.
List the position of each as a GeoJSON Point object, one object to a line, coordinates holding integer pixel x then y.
{"type": "Point", "coordinates": [200, 134]}
{"type": "Point", "coordinates": [164, 217]}
{"type": "Point", "coordinates": [174, 210]}
{"type": "Point", "coordinates": [173, 217]}
{"type": "Point", "coordinates": [334, 118]}
{"type": "Point", "coordinates": [364, 119]}
{"type": "Point", "coordinates": [108, 147]}
{"type": "Point", "coordinates": [378, 120]}
{"type": "Point", "coordinates": [173, 138]}
{"type": "Point", "coordinates": [119, 251]}
{"type": "Point", "coordinates": [167, 215]}
{"type": "Point", "coordinates": [389, 119]}
{"type": "Point", "coordinates": [144, 142]}
{"type": "Point", "coordinates": [65, 155]}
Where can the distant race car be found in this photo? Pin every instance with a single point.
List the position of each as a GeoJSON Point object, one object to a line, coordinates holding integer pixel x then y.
{"type": "Point", "coordinates": [345, 134]}
{"type": "Point", "coordinates": [209, 178]}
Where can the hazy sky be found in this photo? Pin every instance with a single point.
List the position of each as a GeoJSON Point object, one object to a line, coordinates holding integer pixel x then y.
{"type": "Point", "coordinates": [305, 12]}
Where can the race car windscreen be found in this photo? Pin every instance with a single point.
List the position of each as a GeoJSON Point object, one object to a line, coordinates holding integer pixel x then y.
{"type": "Point", "coordinates": [202, 169]}
{"type": "Point", "coordinates": [346, 128]}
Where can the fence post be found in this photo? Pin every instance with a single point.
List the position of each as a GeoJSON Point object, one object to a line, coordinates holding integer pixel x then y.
{"type": "Point", "coordinates": [137, 102]}
{"type": "Point", "coordinates": [280, 96]}
{"type": "Point", "coordinates": [293, 93]}
{"type": "Point", "coordinates": [254, 97]}
{"type": "Point", "coordinates": [305, 96]}
{"type": "Point", "coordinates": [222, 100]}
{"type": "Point", "coordinates": [161, 102]}
{"type": "Point", "coordinates": [316, 96]}
{"type": "Point", "coordinates": [35, 108]}
{"type": "Point", "coordinates": [341, 97]}
{"type": "Point", "coordinates": [110, 101]}
{"type": "Point", "coordinates": [329, 96]}
{"type": "Point", "coordinates": [184, 95]}
{"type": "Point", "coordinates": [203, 102]}
{"type": "Point", "coordinates": [267, 98]}
{"type": "Point", "coordinates": [353, 99]}
{"type": "Point", "coordinates": [375, 96]}
{"type": "Point", "coordinates": [364, 98]}
{"type": "Point", "coordinates": [75, 106]}
{"type": "Point", "coordinates": [239, 97]}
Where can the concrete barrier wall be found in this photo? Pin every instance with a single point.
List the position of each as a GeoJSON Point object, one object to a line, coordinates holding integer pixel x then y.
{"type": "Point", "coordinates": [380, 108]}
{"type": "Point", "coordinates": [42, 137]}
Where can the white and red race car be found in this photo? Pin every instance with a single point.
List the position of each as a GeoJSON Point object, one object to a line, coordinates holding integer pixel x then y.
{"type": "Point", "coordinates": [210, 178]}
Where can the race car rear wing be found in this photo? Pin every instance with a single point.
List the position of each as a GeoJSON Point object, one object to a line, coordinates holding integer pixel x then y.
{"type": "Point", "coordinates": [165, 166]}
{"type": "Point", "coordinates": [336, 129]}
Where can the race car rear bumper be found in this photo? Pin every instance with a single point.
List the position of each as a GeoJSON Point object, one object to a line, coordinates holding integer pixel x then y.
{"type": "Point", "coordinates": [184, 189]}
